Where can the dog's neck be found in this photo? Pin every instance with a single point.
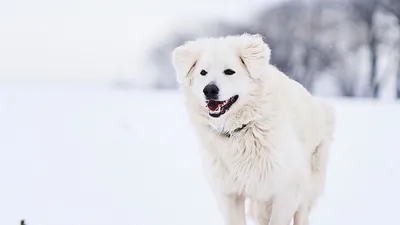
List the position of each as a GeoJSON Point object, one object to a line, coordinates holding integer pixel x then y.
{"type": "Point", "coordinates": [229, 134]}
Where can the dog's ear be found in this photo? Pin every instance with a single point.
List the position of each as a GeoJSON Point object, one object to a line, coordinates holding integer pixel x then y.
{"type": "Point", "coordinates": [184, 59]}
{"type": "Point", "coordinates": [254, 53]}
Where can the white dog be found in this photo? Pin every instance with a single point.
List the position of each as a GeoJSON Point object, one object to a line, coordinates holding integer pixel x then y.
{"type": "Point", "coordinates": [265, 138]}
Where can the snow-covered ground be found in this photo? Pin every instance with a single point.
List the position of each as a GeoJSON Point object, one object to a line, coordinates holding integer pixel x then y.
{"type": "Point", "coordinates": [96, 156]}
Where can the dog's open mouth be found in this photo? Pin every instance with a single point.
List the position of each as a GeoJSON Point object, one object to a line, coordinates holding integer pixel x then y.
{"type": "Point", "coordinates": [218, 108]}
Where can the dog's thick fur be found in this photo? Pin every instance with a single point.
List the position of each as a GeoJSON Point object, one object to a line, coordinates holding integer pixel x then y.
{"type": "Point", "coordinates": [279, 160]}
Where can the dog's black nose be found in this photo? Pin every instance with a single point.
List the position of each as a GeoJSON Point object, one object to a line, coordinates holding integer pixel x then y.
{"type": "Point", "coordinates": [211, 91]}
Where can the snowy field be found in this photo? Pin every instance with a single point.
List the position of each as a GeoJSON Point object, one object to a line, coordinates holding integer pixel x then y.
{"type": "Point", "coordinates": [97, 156]}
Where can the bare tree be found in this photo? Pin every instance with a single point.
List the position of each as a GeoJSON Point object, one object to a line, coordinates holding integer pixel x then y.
{"type": "Point", "coordinates": [393, 6]}
{"type": "Point", "coordinates": [347, 78]}
{"type": "Point", "coordinates": [295, 32]}
{"type": "Point", "coordinates": [364, 12]}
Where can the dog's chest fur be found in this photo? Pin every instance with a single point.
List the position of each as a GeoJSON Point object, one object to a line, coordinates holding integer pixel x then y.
{"type": "Point", "coordinates": [247, 163]}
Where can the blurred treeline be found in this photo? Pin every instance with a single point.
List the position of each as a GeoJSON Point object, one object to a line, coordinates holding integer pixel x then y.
{"type": "Point", "coordinates": [345, 48]}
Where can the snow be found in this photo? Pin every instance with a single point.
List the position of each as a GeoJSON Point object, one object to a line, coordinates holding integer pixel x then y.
{"type": "Point", "coordinates": [97, 156]}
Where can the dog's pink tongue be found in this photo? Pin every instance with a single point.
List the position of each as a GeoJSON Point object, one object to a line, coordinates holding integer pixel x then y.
{"type": "Point", "coordinates": [212, 105]}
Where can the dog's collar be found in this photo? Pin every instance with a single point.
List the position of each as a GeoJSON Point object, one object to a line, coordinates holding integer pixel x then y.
{"type": "Point", "coordinates": [229, 134]}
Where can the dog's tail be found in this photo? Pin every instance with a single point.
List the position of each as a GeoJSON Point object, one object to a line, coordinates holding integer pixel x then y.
{"type": "Point", "coordinates": [321, 153]}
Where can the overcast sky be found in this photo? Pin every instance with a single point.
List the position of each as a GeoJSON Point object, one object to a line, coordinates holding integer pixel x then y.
{"type": "Point", "coordinates": [93, 39]}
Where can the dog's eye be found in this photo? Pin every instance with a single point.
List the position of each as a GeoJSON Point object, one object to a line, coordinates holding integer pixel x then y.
{"type": "Point", "coordinates": [229, 72]}
{"type": "Point", "coordinates": [203, 72]}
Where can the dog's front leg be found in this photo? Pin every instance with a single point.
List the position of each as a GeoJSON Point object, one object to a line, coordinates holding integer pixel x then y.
{"type": "Point", "coordinates": [232, 208]}
{"type": "Point", "coordinates": [284, 207]}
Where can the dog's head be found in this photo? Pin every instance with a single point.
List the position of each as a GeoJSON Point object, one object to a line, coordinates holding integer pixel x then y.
{"type": "Point", "coordinates": [221, 72]}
